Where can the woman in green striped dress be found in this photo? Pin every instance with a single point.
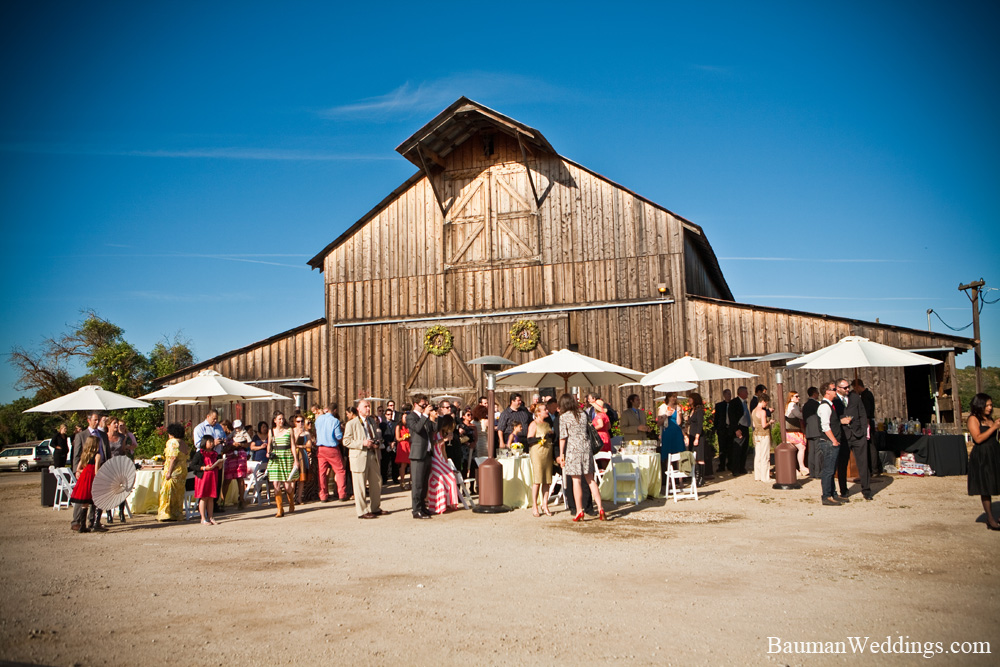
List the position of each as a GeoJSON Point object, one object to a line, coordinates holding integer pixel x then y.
{"type": "Point", "coordinates": [281, 468]}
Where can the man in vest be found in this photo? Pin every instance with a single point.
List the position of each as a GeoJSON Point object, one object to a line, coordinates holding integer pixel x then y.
{"type": "Point", "coordinates": [740, 420]}
{"type": "Point", "coordinates": [829, 440]}
{"type": "Point", "coordinates": [723, 429]}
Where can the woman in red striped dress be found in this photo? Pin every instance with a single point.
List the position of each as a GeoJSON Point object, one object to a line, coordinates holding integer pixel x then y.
{"type": "Point", "coordinates": [442, 487]}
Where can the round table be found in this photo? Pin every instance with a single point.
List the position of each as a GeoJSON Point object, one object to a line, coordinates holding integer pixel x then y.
{"type": "Point", "coordinates": [145, 498]}
{"type": "Point", "coordinates": [650, 475]}
{"type": "Point", "coordinates": [517, 481]}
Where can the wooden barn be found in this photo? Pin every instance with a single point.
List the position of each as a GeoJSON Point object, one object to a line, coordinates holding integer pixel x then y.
{"type": "Point", "coordinates": [498, 239]}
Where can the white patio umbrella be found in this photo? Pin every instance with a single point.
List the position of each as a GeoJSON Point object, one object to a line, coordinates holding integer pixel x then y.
{"type": "Point", "coordinates": [859, 352]}
{"type": "Point", "coordinates": [675, 386]}
{"type": "Point", "coordinates": [91, 397]}
{"type": "Point", "coordinates": [572, 368]}
{"type": "Point", "coordinates": [692, 369]}
{"type": "Point", "coordinates": [211, 386]}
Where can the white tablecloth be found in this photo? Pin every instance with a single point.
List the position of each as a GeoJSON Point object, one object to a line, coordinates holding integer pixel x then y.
{"type": "Point", "coordinates": [650, 474]}
{"type": "Point", "coordinates": [517, 481]}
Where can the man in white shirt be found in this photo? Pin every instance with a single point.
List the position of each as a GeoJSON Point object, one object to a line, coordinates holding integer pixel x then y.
{"type": "Point", "coordinates": [829, 442]}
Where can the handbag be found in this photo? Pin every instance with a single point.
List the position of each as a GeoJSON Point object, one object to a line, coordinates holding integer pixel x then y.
{"type": "Point", "coordinates": [596, 444]}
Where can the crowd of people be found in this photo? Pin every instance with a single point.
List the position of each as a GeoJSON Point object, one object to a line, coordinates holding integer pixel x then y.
{"type": "Point", "coordinates": [317, 457]}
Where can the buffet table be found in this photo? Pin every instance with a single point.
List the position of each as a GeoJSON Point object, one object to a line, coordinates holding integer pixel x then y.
{"type": "Point", "coordinates": [945, 454]}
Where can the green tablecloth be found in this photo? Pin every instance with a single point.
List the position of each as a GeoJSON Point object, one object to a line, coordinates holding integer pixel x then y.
{"type": "Point", "coordinates": [517, 481]}
{"type": "Point", "coordinates": [145, 498]}
{"type": "Point", "coordinates": [650, 474]}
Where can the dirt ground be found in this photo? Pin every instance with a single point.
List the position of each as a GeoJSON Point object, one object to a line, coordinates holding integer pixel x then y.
{"type": "Point", "coordinates": [704, 582]}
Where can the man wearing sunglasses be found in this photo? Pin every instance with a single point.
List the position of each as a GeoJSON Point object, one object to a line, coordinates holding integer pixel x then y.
{"type": "Point", "coordinates": [422, 423]}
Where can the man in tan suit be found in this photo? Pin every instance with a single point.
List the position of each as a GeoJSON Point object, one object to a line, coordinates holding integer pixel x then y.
{"type": "Point", "coordinates": [363, 438]}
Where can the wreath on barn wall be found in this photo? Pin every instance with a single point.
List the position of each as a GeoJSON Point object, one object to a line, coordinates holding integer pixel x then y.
{"type": "Point", "coordinates": [439, 340]}
{"type": "Point", "coordinates": [525, 335]}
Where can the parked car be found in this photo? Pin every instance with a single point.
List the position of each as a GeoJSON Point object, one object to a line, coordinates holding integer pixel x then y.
{"type": "Point", "coordinates": [27, 456]}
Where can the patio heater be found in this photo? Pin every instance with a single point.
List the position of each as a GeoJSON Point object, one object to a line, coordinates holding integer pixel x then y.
{"type": "Point", "coordinates": [491, 472]}
{"type": "Point", "coordinates": [299, 390]}
{"type": "Point", "coordinates": [784, 454]}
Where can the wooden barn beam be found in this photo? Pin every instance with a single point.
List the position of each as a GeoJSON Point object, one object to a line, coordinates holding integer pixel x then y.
{"type": "Point", "coordinates": [524, 161]}
{"type": "Point", "coordinates": [430, 179]}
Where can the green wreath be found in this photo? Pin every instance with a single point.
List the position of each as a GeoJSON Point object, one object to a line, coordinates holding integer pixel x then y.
{"type": "Point", "coordinates": [525, 335]}
{"type": "Point", "coordinates": [438, 340]}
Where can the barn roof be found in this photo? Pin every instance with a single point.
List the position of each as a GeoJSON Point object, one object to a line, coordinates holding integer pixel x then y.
{"type": "Point", "coordinates": [457, 124]}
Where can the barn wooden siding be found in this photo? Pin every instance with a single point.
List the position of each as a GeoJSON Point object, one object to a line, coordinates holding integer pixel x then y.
{"type": "Point", "coordinates": [300, 352]}
{"type": "Point", "coordinates": [721, 330]}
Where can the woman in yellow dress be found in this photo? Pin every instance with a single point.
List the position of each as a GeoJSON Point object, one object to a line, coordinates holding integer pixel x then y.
{"type": "Point", "coordinates": [540, 438]}
{"type": "Point", "coordinates": [175, 469]}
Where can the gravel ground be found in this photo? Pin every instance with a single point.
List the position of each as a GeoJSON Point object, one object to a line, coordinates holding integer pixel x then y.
{"type": "Point", "coordinates": [704, 582]}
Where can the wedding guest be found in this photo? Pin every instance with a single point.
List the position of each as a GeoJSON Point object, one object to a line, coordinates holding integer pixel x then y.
{"type": "Point", "coordinates": [130, 445]}
{"type": "Point", "coordinates": [809, 409]}
{"type": "Point", "coordinates": [481, 415]}
{"type": "Point", "coordinates": [81, 498]}
{"type": "Point", "coordinates": [299, 437]}
{"type": "Point", "coordinates": [540, 439]}
{"type": "Point", "coordinates": [697, 441]}
{"type": "Point", "coordinates": [235, 468]}
{"type": "Point", "coordinates": [330, 454]}
{"type": "Point", "coordinates": [349, 414]}
{"type": "Point", "coordinates": [387, 424]}
{"type": "Point", "coordinates": [175, 468]}
{"type": "Point", "coordinates": [309, 489]}
{"type": "Point", "coordinates": [363, 440]}
{"type": "Point", "coordinates": [94, 420]}
{"type": "Point", "coordinates": [60, 447]}
{"type": "Point", "coordinates": [515, 436]}
{"type": "Point", "coordinates": [206, 464]}
{"type": "Point", "coordinates": [575, 456]}
{"type": "Point", "coordinates": [442, 487]}
{"type": "Point", "coordinates": [258, 446]}
{"type": "Point", "coordinates": [984, 459]}
{"type": "Point", "coordinates": [794, 423]}
{"type": "Point", "coordinates": [467, 437]}
{"type": "Point", "coordinates": [403, 446]}
{"type": "Point", "coordinates": [668, 417]}
{"type": "Point", "coordinates": [118, 445]}
{"type": "Point", "coordinates": [601, 423]}
{"type": "Point", "coordinates": [281, 468]}
{"type": "Point", "coordinates": [514, 414]}
{"type": "Point", "coordinates": [762, 439]}
{"type": "Point", "coordinates": [633, 421]}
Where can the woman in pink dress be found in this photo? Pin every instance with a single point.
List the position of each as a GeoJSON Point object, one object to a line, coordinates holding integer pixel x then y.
{"type": "Point", "coordinates": [602, 424]}
{"type": "Point", "coordinates": [403, 446]}
{"type": "Point", "coordinates": [442, 487]}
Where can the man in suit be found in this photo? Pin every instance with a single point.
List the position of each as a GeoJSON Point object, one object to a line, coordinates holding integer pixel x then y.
{"type": "Point", "coordinates": [843, 389]}
{"type": "Point", "coordinates": [94, 420]}
{"type": "Point", "coordinates": [422, 423]}
{"type": "Point", "coordinates": [363, 438]}
{"type": "Point", "coordinates": [809, 410]}
{"type": "Point", "coordinates": [739, 417]}
{"type": "Point", "coordinates": [868, 400]}
{"type": "Point", "coordinates": [721, 424]}
{"type": "Point", "coordinates": [856, 432]}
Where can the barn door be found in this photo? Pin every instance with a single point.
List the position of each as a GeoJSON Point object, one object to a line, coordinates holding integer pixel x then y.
{"type": "Point", "coordinates": [514, 215]}
{"type": "Point", "coordinates": [465, 231]}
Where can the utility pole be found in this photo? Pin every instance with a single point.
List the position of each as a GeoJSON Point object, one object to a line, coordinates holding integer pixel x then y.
{"type": "Point", "coordinates": [972, 291]}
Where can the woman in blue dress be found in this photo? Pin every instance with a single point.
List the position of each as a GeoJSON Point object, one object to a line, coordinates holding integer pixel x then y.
{"type": "Point", "coordinates": [668, 417]}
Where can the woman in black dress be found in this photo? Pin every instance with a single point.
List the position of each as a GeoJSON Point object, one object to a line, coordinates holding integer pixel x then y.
{"type": "Point", "coordinates": [984, 460]}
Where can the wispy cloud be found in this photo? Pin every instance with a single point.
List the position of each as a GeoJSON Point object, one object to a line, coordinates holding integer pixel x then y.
{"type": "Point", "coordinates": [411, 98]}
{"type": "Point", "coordinates": [249, 258]}
{"type": "Point", "coordinates": [217, 153]}
{"type": "Point", "coordinates": [180, 297]}
{"type": "Point", "coordinates": [714, 69]}
{"type": "Point", "coordinates": [839, 298]}
{"type": "Point", "coordinates": [812, 260]}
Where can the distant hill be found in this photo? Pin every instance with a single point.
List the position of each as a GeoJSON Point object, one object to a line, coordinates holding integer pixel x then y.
{"type": "Point", "coordinates": [967, 385]}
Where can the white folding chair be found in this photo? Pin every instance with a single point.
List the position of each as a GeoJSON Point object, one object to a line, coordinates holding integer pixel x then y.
{"type": "Point", "coordinates": [464, 493]}
{"type": "Point", "coordinates": [623, 470]}
{"type": "Point", "coordinates": [258, 482]}
{"type": "Point", "coordinates": [64, 487]}
{"type": "Point", "coordinates": [560, 495]}
{"type": "Point", "coordinates": [674, 474]}
{"type": "Point", "coordinates": [190, 504]}
{"type": "Point", "coordinates": [599, 472]}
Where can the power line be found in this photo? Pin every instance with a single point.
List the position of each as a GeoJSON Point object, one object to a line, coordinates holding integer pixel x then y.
{"type": "Point", "coordinates": [948, 325]}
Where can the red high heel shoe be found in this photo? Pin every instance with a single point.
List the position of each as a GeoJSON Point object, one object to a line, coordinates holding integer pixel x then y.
{"type": "Point", "coordinates": [578, 517]}
{"type": "Point", "coordinates": [601, 516]}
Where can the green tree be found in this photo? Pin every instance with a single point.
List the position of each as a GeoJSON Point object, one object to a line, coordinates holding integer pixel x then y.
{"type": "Point", "coordinates": [967, 384]}
{"type": "Point", "coordinates": [111, 361]}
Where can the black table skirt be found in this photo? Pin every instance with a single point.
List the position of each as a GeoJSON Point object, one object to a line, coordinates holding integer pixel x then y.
{"type": "Point", "coordinates": [945, 454]}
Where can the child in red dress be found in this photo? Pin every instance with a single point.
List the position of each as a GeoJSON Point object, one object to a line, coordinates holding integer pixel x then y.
{"type": "Point", "coordinates": [205, 465]}
{"type": "Point", "coordinates": [82, 498]}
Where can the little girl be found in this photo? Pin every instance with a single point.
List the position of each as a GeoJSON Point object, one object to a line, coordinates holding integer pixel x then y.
{"type": "Point", "coordinates": [205, 465]}
{"type": "Point", "coordinates": [515, 435]}
{"type": "Point", "coordinates": [82, 499]}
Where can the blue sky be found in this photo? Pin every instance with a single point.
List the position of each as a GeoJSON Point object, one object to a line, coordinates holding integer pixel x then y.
{"type": "Point", "coordinates": [174, 165]}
